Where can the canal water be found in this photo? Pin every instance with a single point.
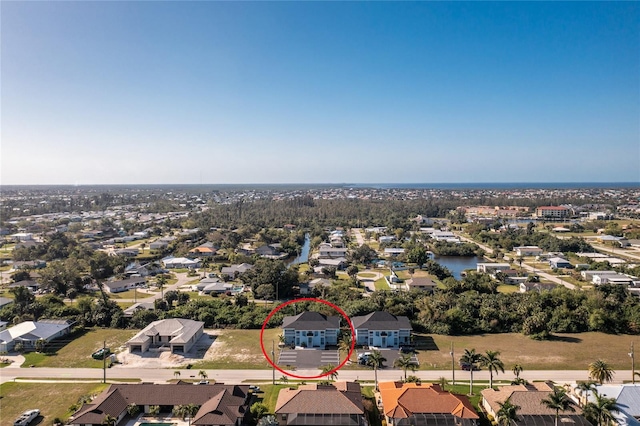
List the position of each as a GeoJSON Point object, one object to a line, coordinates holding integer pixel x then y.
{"type": "Point", "coordinates": [457, 264]}
{"type": "Point", "coordinates": [304, 252]}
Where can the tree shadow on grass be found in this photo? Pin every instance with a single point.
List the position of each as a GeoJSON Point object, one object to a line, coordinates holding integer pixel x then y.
{"type": "Point", "coordinates": [565, 339]}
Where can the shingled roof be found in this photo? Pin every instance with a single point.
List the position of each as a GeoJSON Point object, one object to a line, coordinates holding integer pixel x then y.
{"type": "Point", "coordinates": [337, 398]}
{"type": "Point", "coordinates": [219, 404]}
{"type": "Point", "coordinates": [381, 321]}
{"type": "Point", "coordinates": [404, 400]}
{"type": "Point", "coordinates": [311, 321]}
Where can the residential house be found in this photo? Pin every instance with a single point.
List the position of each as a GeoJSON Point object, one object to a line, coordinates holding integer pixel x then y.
{"type": "Point", "coordinates": [528, 251]}
{"type": "Point", "coordinates": [22, 237]}
{"type": "Point", "coordinates": [423, 220]}
{"type": "Point", "coordinates": [29, 332]}
{"type": "Point", "coordinates": [311, 330]}
{"type": "Point", "coordinates": [203, 250]}
{"type": "Point", "coordinates": [5, 301]}
{"type": "Point", "coordinates": [539, 287]}
{"type": "Point", "coordinates": [306, 288]}
{"type": "Point", "coordinates": [220, 405]}
{"type": "Point", "coordinates": [127, 252]}
{"type": "Point", "coordinates": [140, 306]}
{"type": "Point", "coordinates": [492, 268]}
{"type": "Point", "coordinates": [339, 403]}
{"type": "Point", "coordinates": [328, 252]}
{"type": "Point", "coordinates": [386, 239]}
{"type": "Point", "coordinates": [29, 264]}
{"type": "Point", "coordinates": [136, 268]}
{"type": "Point", "coordinates": [338, 263]}
{"type": "Point", "coordinates": [627, 397]}
{"type": "Point", "coordinates": [558, 262]}
{"type": "Point", "coordinates": [231, 271]}
{"type": "Point", "coordinates": [532, 411]}
{"type": "Point", "coordinates": [176, 333]}
{"type": "Point", "coordinates": [382, 330]}
{"type": "Point", "coordinates": [124, 285]}
{"type": "Point", "coordinates": [180, 263]}
{"type": "Point", "coordinates": [393, 252]}
{"type": "Point", "coordinates": [419, 283]}
{"type": "Point", "coordinates": [424, 404]}
{"type": "Point", "coordinates": [30, 284]}
{"type": "Point", "coordinates": [447, 236]}
{"type": "Point", "coordinates": [271, 251]}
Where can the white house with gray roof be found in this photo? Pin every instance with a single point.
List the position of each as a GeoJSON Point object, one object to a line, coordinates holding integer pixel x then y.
{"type": "Point", "coordinates": [29, 332]}
{"type": "Point", "coordinates": [178, 334]}
{"type": "Point", "coordinates": [311, 330]}
{"type": "Point", "coordinates": [382, 330]}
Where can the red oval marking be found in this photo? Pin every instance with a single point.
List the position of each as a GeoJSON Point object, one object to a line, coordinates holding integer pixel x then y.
{"type": "Point", "coordinates": [308, 299]}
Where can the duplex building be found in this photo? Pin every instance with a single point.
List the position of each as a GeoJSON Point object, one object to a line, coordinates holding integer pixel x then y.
{"type": "Point", "coordinates": [177, 334]}
{"type": "Point", "coordinates": [311, 330]}
{"type": "Point", "coordinates": [382, 330]}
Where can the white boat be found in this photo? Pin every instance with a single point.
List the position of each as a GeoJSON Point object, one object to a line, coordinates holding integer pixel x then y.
{"type": "Point", "coordinates": [26, 417]}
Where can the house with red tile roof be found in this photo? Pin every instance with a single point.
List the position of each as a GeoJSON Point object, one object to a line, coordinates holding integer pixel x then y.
{"type": "Point", "coordinates": [422, 404]}
{"type": "Point", "coordinates": [339, 403]}
{"type": "Point", "coordinates": [219, 404]}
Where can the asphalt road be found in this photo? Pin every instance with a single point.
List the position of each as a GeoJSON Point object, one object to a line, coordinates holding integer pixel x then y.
{"type": "Point", "coordinates": [247, 376]}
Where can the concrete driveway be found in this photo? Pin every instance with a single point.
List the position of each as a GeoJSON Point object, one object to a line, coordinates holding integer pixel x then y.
{"type": "Point", "coordinates": [308, 358]}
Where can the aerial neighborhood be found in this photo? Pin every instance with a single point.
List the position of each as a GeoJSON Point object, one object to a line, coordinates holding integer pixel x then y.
{"type": "Point", "coordinates": [319, 306]}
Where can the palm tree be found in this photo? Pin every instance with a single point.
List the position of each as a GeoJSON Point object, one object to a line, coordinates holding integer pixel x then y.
{"type": "Point", "coordinates": [376, 360]}
{"type": "Point", "coordinates": [133, 409]}
{"type": "Point", "coordinates": [203, 374]}
{"type": "Point", "coordinates": [601, 371]}
{"type": "Point", "coordinates": [507, 413]}
{"type": "Point", "coordinates": [406, 363]}
{"type": "Point", "coordinates": [559, 401]}
{"type": "Point", "coordinates": [186, 411]}
{"type": "Point", "coordinates": [517, 369]}
{"type": "Point", "coordinates": [601, 411]}
{"type": "Point", "coordinates": [161, 280]}
{"type": "Point", "coordinates": [176, 374]}
{"type": "Point", "coordinates": [471, 358]}
{"type": "Point", "coordinates": [109, 420]}
{"type": "Point", "coordinates": [493, 363]}
{"type": "Point", "coordinates": [154, 410]}
{"type": "Point", "coordinates": [329, 370]}
{"type": "Point", "coordinates": [284, 379]}
{"type": "Point", "coordinates": [585, 388]}
{"type": "Point", "coordinates": [344, 345]}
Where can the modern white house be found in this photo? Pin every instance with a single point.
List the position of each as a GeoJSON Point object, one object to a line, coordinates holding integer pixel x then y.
{"type": "Point", "coordinates": [311, 330]}
{"type": "Point", "coordinates": [29, 332]}
{"type": "Point", "coordinates": [176, 334]}
{"type": "Point", "coordinates": [180, 262]}
{"type": "Point", "coordinates": [382, 330]}
{"type": "Point", "coordinates": [492, 268]}
{"type": "Point", "coordinates": [528, 251]}
{"type": "Point", "coordinates": [124, 285]}
{"type": "Point", "coordinates": [326, 252]}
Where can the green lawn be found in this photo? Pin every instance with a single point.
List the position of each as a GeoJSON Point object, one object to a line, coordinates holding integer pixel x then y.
{"type": "Point", "coordinates": [131, 294]}
{"type": "Point", "coordinates": [506, 288]}
{"type": "Point", "coordinates": [366, 274]}
{"type": "Point", "coordinates": [52, 399]}
{"type": "Point", "coordinates": [77, 352]}
{"type": "Point", "coordinates": [563, 352]}
{"type": "Point", "coordinates": [240, 349]}
{"type": "Point", "coordinates": [381, 284]}
{"type": "Point", "coordinates": [270, 395]}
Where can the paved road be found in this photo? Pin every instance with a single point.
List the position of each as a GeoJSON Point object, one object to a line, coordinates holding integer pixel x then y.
{"type": "Point", "coordinates": [357, 232]}
{"type": "Point", "coordinates": [244, 376]}
{"type": "Point", "coordinates": [369, 282]}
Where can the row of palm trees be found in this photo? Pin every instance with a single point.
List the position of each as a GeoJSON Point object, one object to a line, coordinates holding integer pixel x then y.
{"type": "Point", "coordinates": [489, 360]}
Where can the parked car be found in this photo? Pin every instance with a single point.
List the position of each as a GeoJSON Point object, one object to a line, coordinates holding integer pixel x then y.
{"type": "Point", "coordinates": [467, 367]}
{"type": "Point", "coordinates": [407, 349]}
{"type": "Point", "coordinates": [26, 417]}
{"type": "Point", "coordinates": [254, 388]}
{"type": "Point", "coordinates": [101, 353]}
{"type": "Point", "coordinates": [363, 358]}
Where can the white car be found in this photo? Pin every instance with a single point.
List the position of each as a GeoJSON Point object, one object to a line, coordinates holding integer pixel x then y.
{"type": "Point", "coordinates": [26, 417]}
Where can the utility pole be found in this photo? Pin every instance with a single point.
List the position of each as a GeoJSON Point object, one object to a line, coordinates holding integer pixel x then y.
{"type": "Point", "coordinates": [273, 359]}
{"type": "Point", "coordinates": [104, 361]}
{"type": "Point", "coordinates": [633, 365]}
{"type": "Point", "coordinates": [453, 366]}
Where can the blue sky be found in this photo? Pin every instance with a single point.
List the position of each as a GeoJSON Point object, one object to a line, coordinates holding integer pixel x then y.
{"type": "Point", "coordinates": [319, 92]}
